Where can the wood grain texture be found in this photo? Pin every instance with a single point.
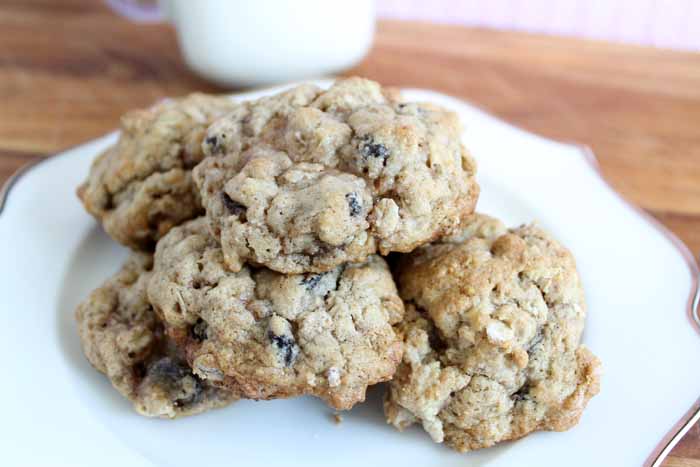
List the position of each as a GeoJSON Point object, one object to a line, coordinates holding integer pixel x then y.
{"type": "Point", "coordinates": [69, 69]}
{"type": "Point", "coordinates": [675, 461]}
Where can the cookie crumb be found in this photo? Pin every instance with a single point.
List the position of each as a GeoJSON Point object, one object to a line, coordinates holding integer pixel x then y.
{"type": "Point", "coordinates": [337, 418]}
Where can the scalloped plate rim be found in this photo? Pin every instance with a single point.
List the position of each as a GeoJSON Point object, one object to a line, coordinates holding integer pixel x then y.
{"type": "Point", "coordinates": [657, 456]}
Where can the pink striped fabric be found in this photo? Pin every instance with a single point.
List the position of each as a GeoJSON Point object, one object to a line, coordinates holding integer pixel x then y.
{"type": "Point", "coordinates": [661, 23]}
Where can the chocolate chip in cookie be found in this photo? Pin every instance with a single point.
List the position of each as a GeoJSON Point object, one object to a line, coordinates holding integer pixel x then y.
{"type": "Point", "coordinates": [369, 148]}
{"type": "Point", "coordinates": [353, 204]}
{"type": "Point", "coordinates": [233, 207]}
{"type": "Point", "coordinates": [286, 347]}
{"type": "Point", "coordinates": [199, 330]}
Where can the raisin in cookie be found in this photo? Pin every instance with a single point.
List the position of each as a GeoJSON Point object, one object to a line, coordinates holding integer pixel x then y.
{"type": "Point", "coordinates": [306, 180]}
{"type": "Point", "coordinates": [271, 335]}
{"type": "Point", "coordinates": [492, 338]}
{"type": "Point", "coordinates": [123, 339]}
{"type": "Point", "coordinates": [142, 186]}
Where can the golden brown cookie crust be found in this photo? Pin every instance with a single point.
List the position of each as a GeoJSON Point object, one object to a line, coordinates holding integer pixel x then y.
{"type": "Point", "coordinates": [122, 338]}
{"type": "Point", "coordinates": [309, 179]}
{"type": "Point", "coordinates": [492, 337]}
{"type": "Point", "coordinates": [142, 186]}
{"type": "Point", "coordinates": [271, 335]}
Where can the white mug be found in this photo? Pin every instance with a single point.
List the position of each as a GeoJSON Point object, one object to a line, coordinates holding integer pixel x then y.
{"type": "Point", "coordinates": [259, 42]}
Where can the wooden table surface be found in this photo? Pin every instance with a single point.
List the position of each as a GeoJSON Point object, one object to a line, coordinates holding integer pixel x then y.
{"type": "Point", "coordinates": [69, 69]}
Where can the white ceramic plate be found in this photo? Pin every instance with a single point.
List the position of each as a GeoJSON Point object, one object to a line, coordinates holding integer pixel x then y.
{"type": "Point", "coordinates": [640, 283]}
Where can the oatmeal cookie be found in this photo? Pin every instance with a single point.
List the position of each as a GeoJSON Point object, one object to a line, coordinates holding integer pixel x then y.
{"type": "Point", "coordinates": [306, 180]}
{"type": "Point", "coordinates": [122, 338]}
{"type": "Point", "coordinates": [492, 338]}
{"type": "Point", "coordinates": [271, 335]}
{"type": "Point", "coordinates": [142, 186]}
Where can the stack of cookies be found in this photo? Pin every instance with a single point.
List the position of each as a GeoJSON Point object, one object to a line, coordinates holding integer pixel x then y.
{"type": "Point", "coordinates": [260, 232]}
